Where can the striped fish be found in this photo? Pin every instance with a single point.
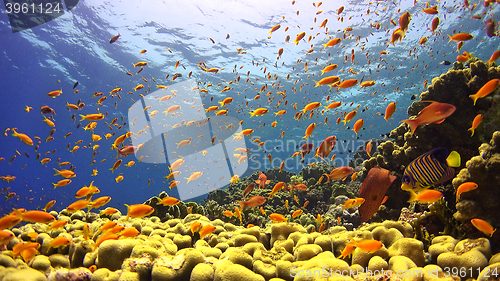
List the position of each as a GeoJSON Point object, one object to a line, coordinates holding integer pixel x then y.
{"type": "Point", "coordinates": [430, 168]}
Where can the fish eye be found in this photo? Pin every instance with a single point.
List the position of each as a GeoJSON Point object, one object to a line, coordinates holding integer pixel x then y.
{"type": "Point", "coordinates": [406, 179]}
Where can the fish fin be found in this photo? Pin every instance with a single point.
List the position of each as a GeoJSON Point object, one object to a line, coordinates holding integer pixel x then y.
{"type": "Point", "coordinates": [242, 204]}
{"type": "Point", "coordinates": [440, 121]}
{"type": "Point", "coordinates": [413, 123]}
{"type": "Point", "coordinates": [448, 175]}
{"type": "Point", "coordinates": [268, 181]}
{"type": "Point", "coordinates": [454, 159]}
{"type": "Point", "coordinates": [413, 196]}
{"type": "Point", "coordinates": [474, 98]}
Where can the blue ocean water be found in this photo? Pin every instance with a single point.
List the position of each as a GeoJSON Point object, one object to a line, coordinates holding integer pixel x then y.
{"type": "Point", "coordinates": [75, 48]}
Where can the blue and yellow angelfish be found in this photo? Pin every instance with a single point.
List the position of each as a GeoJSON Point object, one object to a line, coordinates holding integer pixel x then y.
{"type": "Point", "coordinates": [430, 168]}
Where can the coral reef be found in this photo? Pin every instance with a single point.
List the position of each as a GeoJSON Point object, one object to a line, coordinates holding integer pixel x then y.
{"type": "Point", "coordinates": [279, 251]}
{"type": "Point", "coordinates": [484, 170]}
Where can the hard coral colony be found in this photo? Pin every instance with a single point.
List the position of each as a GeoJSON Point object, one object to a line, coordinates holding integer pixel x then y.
{"type": "Point", "coordinates": [423, 202]}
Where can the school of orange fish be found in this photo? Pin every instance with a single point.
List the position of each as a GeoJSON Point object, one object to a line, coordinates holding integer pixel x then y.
{"type": "Point", "coordinates": [275, 100]}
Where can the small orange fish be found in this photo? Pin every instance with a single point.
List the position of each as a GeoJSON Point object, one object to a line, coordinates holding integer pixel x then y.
{"type": "Point", "coordinates": [391, 108]}
{"type": "Point", "coordinates": [426, 196]}
{"type": "Point", "coordinates": [367, 245]}
{"type": "Point", "coordinates": [464, 187]}
{"type": "Point", "coordinates": [206, 230]}
{"type": "Point", "coordinates": [477, 120]}
{"type": "Point", "coordinates": [277, 218]}
{"type": "Point", "coordinates": [139, 211]}
{"type": "Point", "coordinates": [487, 89]}
{"type": "Point", "coordinates": [169, 201]}
{"type": "Point", "coordinates": [358, 125]}
{"type": "Point", "coordinates": [459, 37]}
{"type": "Point", "coordinates": [297, 213]}
{"type": "Point", "coordinates": [483, 226]}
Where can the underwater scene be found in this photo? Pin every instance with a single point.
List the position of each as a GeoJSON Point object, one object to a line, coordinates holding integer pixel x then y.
{"type": "Point", "coordinates": [249, 140]}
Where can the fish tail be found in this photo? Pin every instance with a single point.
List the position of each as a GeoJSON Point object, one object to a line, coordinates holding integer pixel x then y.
{"type": "Point", "coordinates": [413, 196]}
{"type": "Point", "coordinates": [242, 205]}
{"type": "Point", "coordinates": [317, 82]}
{"type": "Point", "coordinates": [474, 98]}
{"type": "Point", "coordinates": [413, 123]}
{"type": "Point", "coordinates": [451, 38]}
{"type": "Point", "coordinates": [472, 130]}
{"type": "Point", "coordinates": [494, 229]}
{"type": "Point", "coordinates": [83, 117]}
{"type": "Point", "coordinates": [57, 172]}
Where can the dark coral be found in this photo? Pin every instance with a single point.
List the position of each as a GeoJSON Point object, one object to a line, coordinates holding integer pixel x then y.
{"type": "Point", "coordinates": [482, 202]}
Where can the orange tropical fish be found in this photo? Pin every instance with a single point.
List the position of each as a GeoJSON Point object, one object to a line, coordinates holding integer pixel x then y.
{"type": "Point", "coordinates": [206, 230]}
{"type": "Point", "coordinates": [299, 37]}
{"type": "Point", "coordinates": [277, 187]}
{"type": "Point", "coordinates": [309, 131]}
{"type": "Point", "coordinates": [116, 165]}
{"type": "Point", "coordinates": [194, 176]}
{"type": "Point", "coordinates": [494, 56]}
{"type": "Point", "coordinates": [195, 227]}
{"type": "Point", "coordinates": [347, 251]}
{"type": "Point", "coordinates": [259, 112]}
{"type": "Point", "coordinates": [339, 173]}
{"type": "Point", "coordinates": [119, 178]}
{"type": "Point", "coordinates": [464, 187]}
{"type": "Point", "coordinates": [483, 226]}
{"type": "Point", "coordinates": [297, 213]}
{"type": "Point", "coordinates": [54, 94]}
{"type": "Point", "coordinates": [276, 27]}
{"type": "Point", "coordinates": [367, 245]}
{"type": "Point", "coordinates": [404, 21]}
{"type": "Point", "coordinates": [277, 218]}
{"type": "Point", "coordinates": [36, 216]}
{"type": "Point", "coordinates": [253, 201]}
{"type": "Point", "coordinates": [262, 181]}
{"type": "Point", "coordinates": [358, 125]}
{"type": "Point", "coordinates": [328, 68]}
{"type": "Point", "coordinates": [138, 211]}
{"type": "Point", "coordinates": [311, 106]}
{"type": "Point", "coordinates": [333, 105]}
{"type": "Point", "coordinates": [367, 84]}
{"type": "Point", "coordinates": [434, 24]}
{"type": "Point", "coordinates": [369, 148]}
{"type": "Point", "coordinates": [426, 196]}
{"type": "Point", "coordinates": [351, 203]}
{"type": "Point", "coordinates": [58, 242]}
{"type": "Point", "coordinates": [347, 83]}
{"type": "Point", "coordinates": [349, 116]}
{"type": "Point", "coordinates": [99, 202]}
{"type": "Point", "coordinates": [49, 205]}
{"type": "Point", "coordinates": [65, 173]}
{"type": "Point", "coordinates": [391, 108]}
{"type": "Point", "coordinates": [109, 211]}
{"type": "Point", "coordinates": [332, 42]}
{"type": "Point", "coordinates": [92, 117]}
{"type": "Point", "coordinates": [27, 140]}
{"type": "Point", "coordinates": [434, 113]}
{"type": "Point", "coordinates": [485, 90]}
{"type": "Point", "coordinates": [62, 183]}
{"type": "Point", "coordinates": [459, 37]}
{"type": "Point", "coordinates": [78, 205]}
{"type": "Point", "coordinates": [58, 224]}
{"type": "Point", "coordinates": [169, 201]}
{"type": "Point", "coordinates": [129, 232]}
{"type": "Point", "coordinates": [327, 81]}
{"type": "Point", "coordinates": [477, 120]}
